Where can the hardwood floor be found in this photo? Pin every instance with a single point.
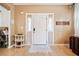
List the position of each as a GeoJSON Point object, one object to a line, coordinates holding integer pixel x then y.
{"type": "Point", "coordinates": [56, 51]}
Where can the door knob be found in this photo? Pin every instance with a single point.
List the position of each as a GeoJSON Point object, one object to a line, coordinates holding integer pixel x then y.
{"type": "Point", "coordinates": [34, 29]}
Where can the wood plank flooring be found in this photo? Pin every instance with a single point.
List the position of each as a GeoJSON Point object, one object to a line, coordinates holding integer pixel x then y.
{"type": "Point", "coordinates": [55, 51]}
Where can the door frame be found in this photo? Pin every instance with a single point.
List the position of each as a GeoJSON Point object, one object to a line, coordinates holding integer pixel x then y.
{"type": "Point", "coordinates": [26, 26]}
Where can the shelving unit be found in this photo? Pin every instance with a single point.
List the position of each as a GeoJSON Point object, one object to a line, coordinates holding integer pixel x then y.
{"type": "Point", "coordinates": [19, 41]}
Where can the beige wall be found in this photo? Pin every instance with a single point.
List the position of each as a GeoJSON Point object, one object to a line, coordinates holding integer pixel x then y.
{"type": "Point", "coordinates": [62, 32]}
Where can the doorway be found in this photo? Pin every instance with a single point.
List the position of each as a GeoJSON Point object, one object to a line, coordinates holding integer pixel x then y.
{"type": "Point", "coordinates": [39, 24]}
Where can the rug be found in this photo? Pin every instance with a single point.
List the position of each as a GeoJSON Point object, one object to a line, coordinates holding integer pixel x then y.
{"type": "Point", "coordinates": [39, 48]}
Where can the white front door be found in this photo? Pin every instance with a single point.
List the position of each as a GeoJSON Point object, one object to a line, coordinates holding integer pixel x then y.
{"type": "Point", "coordinates": [39, 26]}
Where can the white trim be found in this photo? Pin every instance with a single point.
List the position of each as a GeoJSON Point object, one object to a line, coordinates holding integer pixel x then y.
{"type": "Point", "coordinates": [11, 46]}
{"type": "Point", "coordinates": [24, 45]}
{"type": "Point", "coordinates": [38, 13]}
{"type": "Point", "coordinates": [60, 44]}
{"type": "Point", "coordinates": [52, 44]}
{"type": "Point", "coordinates": [9, 27]}
{"type": "Point", "coordinates": [27, 44]}
{"type": "Point", "coordinates": [47, 31]}
{"type": "Point", "coordinates": [75, 20]}
{"type": "Point", "coordinates": [26, 28]}
{"type": "Point", "coordinates": [32, 32]}
{"type": "Point", "coordinates": [65, 45]}
{"type": "Point", "coordinates": [53, 27]}
{"type": "Point", "coordinates": [35, 13]}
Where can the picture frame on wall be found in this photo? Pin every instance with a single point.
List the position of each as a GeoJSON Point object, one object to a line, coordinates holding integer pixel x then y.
{"type": "Point", "coordinates": [62, 22]}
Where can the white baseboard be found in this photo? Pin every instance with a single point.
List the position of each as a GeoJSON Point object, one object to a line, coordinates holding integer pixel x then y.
{"type": "Point", "coordinates": [53, 44]}
{"type": "Point", "coordinates": [49, 44]}
{"type": "Point", "coordinates": [11, 46]}
{"type": "Point", "coordinates": [27, 44]}
{"type": "Point", "coordinates": [24, 45]}
{"type": "Point", "coordinates": [60, 45]}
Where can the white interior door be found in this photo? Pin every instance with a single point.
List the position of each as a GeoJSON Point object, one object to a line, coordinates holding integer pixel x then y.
{"type": "Point", "coordinates": [39, 26]}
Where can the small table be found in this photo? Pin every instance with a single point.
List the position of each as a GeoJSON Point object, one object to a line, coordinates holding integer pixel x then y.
{"type": "Point", "coordinates": [19, 40]}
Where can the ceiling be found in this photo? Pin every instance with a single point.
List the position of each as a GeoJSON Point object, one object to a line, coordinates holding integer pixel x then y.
{"type": "Point", "coordinates": [42, 3]}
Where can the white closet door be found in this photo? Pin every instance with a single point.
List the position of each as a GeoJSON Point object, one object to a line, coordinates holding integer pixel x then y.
{"type": "Point", "coordinates": [39, 22]}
